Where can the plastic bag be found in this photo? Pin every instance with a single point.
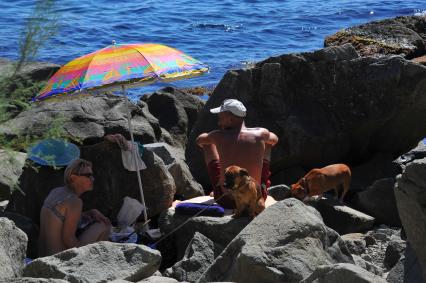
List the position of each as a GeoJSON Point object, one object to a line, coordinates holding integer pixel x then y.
{"type": "Point", "coordinates": [129, 212]}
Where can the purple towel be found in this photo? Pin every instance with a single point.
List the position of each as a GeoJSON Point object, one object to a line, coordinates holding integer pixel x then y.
{"type": "Point", "coordinates": [188, 208]}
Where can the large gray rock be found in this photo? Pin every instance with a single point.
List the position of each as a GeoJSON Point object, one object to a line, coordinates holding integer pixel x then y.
{"type": "Point", "coordinates": [403, 36]}
{"type": "Point", "coordinates": [379, 201]}
{"type": "Point", "coordinates": [176, 112]}
{"type": "Point", "coordinates": [418, 152]}
{"type": "Point", "coordinates": [342, 218]}
{"type": "Point", "coordinates": [198, 256]}
{"type": "Point", "coordinates": [87, 119]}
{"type": "Point", "coordinates": [99, 262]}
{"type": "Point", "coordinates": [342, 272]}
{"type": "Point", "coordinates": [326, 106]}
{"type": "Point", "coordinates": [394, 252]}
{"type": "Point", "coordinates": [29, 228]}
{"type": "Point", "coordinates": [279, 192]}
{"type": "Point", "coordinates": [35, 71]}
{"type": "Point", "coordinates": [174, 159]}
{"type": "Point", "coordinates": [355, 243]}
{"type": "Point", "coordinates": [285, 243]}
{"type": "Point", "coordinates": [112, 183]}
{"type": "Point", "coordinates": [410, 194]}
{"type": "Point", "coordinates": [13, 245]}
{"type": "Point", "coordinates": [11, 165]}
{"type": "Point", "coordinates": [32, 280]}
{"type": "Point", "coordinates": [158, 279]}
{"type": "Point", "coordinates": [380, 166]}
{"type": "Point", "coordinates": [407, 270]}
{"type": "Point", "coordinates": [220, 230]}
{"type": "Point", "coordinates": [359, 261]}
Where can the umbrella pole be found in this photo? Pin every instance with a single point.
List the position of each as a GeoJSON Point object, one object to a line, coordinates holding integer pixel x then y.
{"type": "Point", "coordinates": [145, 227]}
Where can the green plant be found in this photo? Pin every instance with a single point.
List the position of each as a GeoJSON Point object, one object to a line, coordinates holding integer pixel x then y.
{"type": "Point", "coordinates": [16, 89]}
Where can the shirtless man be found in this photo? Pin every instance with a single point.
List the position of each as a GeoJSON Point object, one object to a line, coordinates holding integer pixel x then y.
{"type": "Point", "coordinates": [234, 144]}
{"type": "Point", "coordinates": [62, 212]}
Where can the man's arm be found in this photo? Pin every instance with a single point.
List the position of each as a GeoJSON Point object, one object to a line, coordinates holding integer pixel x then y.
{"type": "Point", "coordinates": [272, 139]}
{"type": "Point", "coordinates": [205, 139]}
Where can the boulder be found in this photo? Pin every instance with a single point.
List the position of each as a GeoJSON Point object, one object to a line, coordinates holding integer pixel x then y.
{"type": "Point", "coordinates": [288, 176]}
{"type": "Point", "coordinates": [32, 280]}
{"type": "Point", "coordinates": [359, 261]}
{"type": "Point", "coordinates": [327, 106]}
{"type": "Point", "coordinates": [403, 36]}
{"type": "Point", "coordinates": [112, 183]}
{"type": "Point", "coordinates": [35, 71]}
{"type": "Point", "coordinates": [394, 252]}
{"type": "Point", "coordinates": [11, 165]}
{"type": "Point", "coordinates": [396, 274]}
{"type": "Point", "coordinates": [99, 262]}
{"type": "Point", "coordinates": [273, 248]}
{"type": "Point", "coordinates": [86, 119]}
{"type": "Point", "coordinates": [198, 256]}
{"type": "Point", "coordinates": [410, 194]}
{"type": "Point", "coordinates": [355, 243]}
{"type": "Point", "coordinates": [380, 166]}
{"type": "Point", "coordinates": [379, 201]}
{"type": "Point", "coordinates": [13, 244]}
{"type": "Point", "coordinates": [158, 279]}
{"type": "Point", "coordinates": [342, 218]}
{"type": "Point", "coordinates": [342, 272]}
{"type": "Point", "coordinates": [208, 226]}
{"type": "Point", "coordinates": [176, 112]}
{"type": "Point", "coordinates": [279, 192]}
{"type": "Point", "coordinates": [418, 152]}
{"type": "Point", "coordinates": [174, 159]}
{"type": "Point", "coordinates": [407, 270]}
{"type": "Point", "coordinates": [29, 228]}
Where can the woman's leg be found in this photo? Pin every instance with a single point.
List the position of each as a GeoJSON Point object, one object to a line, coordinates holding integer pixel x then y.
{"type": "Point", "coordinates": [96, 232]}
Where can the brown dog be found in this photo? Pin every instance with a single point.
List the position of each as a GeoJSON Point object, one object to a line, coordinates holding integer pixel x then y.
{"type": "Point", "coordinates": [246, 192]}
{"type": "Point", "coordinates": [318, 181]}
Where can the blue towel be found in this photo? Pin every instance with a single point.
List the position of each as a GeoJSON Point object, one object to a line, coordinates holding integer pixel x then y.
{"type": "Point", "coordinates": [188, 208]}
{"type": "Point", "coordinates": [27, 260]}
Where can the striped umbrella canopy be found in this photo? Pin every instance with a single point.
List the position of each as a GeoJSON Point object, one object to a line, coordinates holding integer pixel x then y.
{"type": "Point", "coordinates": [122, 64]}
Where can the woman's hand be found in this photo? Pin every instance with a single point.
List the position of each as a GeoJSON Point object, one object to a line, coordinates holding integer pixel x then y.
{"type": "Point", "coordinates": [98, 216]}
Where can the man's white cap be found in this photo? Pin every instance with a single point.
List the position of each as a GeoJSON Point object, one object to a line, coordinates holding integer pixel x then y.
{"type": "Point", "coordinates": [232, 105]}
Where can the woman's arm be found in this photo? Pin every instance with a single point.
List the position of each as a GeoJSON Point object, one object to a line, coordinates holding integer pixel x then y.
{"type": "Point", "coordinates": [72, 216]}
{"type": "Point", "coordinates": [95, 214]}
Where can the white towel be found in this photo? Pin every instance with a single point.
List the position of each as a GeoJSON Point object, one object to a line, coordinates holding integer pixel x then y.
{"type": "Point", "coordinates": [128, 157]}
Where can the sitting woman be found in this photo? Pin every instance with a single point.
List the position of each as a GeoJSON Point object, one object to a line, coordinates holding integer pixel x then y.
{"type": "Point", "coordinates": [61, 215]}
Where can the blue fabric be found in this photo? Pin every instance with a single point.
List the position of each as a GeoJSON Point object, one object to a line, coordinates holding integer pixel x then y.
{"type": "Point", "coordinates": [27, 260]}
{"type": "Point", "coordinates": [141, 148]}
{"type": "Point", "coordinates": [53, 152]}
{"type": "Point", "coordinates": [188, 208]}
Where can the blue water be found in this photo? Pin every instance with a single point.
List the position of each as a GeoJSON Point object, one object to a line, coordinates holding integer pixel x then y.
{"type": "Point", "coordinates": [224, 34]}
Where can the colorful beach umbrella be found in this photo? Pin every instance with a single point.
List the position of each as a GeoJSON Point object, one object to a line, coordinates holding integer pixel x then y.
{"type": "Point", "coordinates": [122, 65]}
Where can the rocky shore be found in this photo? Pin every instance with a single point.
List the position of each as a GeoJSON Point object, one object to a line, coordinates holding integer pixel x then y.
{"type": "Point", "coordinates": [361, 100]}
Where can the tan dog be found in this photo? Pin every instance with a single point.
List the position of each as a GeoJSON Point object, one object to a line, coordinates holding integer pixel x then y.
{"type": "Point", "coordinates": [246, 192]}
{"type": "Point", "coordinates": [318, 181]}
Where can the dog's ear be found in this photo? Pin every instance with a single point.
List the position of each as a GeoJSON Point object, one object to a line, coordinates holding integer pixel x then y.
{"type": "Point", "coordinates": [243, 172]}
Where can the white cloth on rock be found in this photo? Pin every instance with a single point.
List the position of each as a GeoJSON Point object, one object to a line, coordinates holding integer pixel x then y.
{"type": "Point", "coordinates": [128, 157]}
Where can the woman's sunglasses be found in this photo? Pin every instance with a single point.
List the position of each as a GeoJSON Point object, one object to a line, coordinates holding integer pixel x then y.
{"type": "Point", "coordinates": [88, 175]}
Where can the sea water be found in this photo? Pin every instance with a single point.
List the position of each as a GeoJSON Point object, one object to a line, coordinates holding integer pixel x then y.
{"type": "Point", "coordinates": [224, 34]}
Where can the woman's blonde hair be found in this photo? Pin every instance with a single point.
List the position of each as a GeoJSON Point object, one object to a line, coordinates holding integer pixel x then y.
{"type": "Point", "coordinates": [75, 168]}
